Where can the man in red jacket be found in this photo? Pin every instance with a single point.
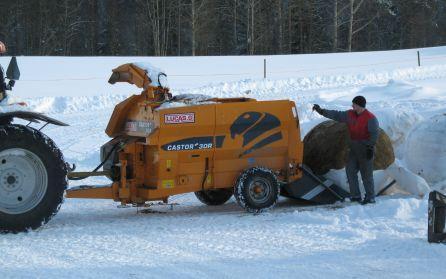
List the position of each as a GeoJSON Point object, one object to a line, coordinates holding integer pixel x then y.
{"type": "Point", "coordinates": [363, 128]}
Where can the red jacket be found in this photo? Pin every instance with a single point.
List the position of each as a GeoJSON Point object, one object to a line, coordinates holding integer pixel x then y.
{"type": "Point", "coordinates": [363, 127]}
{"type": "Point", "coordinates": [358, 124]}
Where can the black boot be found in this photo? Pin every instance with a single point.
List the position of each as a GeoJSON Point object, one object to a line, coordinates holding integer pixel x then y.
{"type": "Point", "coordinates": [356, 199]}
{"type": "Point", "coordinates": [368, 200]}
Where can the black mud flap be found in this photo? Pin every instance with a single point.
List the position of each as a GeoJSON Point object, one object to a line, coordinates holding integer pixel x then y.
{"type": "Point", "coordinates": [436, 217]}
{"type": "Point", "coordinates": [314, 188]}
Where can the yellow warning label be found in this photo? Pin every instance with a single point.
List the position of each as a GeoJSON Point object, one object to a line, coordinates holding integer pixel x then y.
{"type": "Point", "coordinates": [168, 183]}
{"type": "Point", "coordinates": [168, 164]}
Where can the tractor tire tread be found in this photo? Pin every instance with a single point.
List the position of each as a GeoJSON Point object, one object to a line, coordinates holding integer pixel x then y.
{"type": "Point", "coordinates": [19, 136]}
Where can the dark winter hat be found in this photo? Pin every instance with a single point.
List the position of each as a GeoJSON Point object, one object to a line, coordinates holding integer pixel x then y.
{"type": "Point", "coordinates": [360, 101]}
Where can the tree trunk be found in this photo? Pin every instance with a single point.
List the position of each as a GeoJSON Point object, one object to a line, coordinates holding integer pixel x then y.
{"type": "Point", "coordinates": [289, 30]}
{"type": "Point", "coordinates": [301, 30]}
{"type": "Point", "coordinates": [251, 24]}
{"type": "Point", "coordinates": [127, 30]}
{"type": "Point", "coordinates": [193, 23]}
{"type": "Point", "coordinates": [179, 28]}
{"type": "Point", "coordinates": [335, 25]}
{"type": "Point", "coordinates": [102, 31]}
{"type": "Point", "coordinates": [350, 26]}
{"type": "Point", "coordinates": [235, 37]}
{"type": "Point", "coordinates": [280, 28]}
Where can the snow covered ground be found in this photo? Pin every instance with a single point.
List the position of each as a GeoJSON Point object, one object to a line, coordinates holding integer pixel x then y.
{"type": "Point", "coordinates": [94, 239]}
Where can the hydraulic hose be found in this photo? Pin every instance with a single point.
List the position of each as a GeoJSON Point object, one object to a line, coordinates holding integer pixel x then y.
{"type": "Point", "coordinates": [99, 166]}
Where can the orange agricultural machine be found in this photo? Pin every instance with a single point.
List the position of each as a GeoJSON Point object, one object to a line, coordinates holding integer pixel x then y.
{"type": "Point", "coordinates": [163, 146]}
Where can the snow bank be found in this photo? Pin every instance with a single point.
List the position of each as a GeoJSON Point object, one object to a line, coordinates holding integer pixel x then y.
{"type": "Point", "coordinates": [11, 108]}
{"type": "Point", "coordinates": [9, 104]}
{"type": "Point", "coordinates": [391, 80]}
{"type": "Point", "coordinates": [397, 122]}
{"type": "Point", "coordinates": [64, 105]}
{"type": "Point", "coordinates": [396, 90]}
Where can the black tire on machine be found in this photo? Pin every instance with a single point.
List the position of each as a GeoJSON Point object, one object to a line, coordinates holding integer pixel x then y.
{"type": "Point", "coordinates": [214, 197]}
{"type": "Point", "coordinates": [257, 189]}
{"type": "Point", "coordinates": [32, 178]}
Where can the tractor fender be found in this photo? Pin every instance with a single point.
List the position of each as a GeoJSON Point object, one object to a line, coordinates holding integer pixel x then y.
{"type": "Point", "coordinates": [7, 117]}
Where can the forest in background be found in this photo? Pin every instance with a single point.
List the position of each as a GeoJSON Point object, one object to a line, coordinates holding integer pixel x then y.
{"type": "Point", "coordinates": [218, 27]}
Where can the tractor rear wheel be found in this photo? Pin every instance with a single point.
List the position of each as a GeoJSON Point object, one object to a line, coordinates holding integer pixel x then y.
{"type": "Point", "coordinates": [257, 189]}
{"type": "Point", "coordinates": [32, 178]}
{"type": "Point", "coordinates": [214, 197]}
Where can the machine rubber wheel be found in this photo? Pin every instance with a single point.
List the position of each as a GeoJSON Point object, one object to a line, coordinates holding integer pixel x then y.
{"type": "Point", "coordinates": [257, 189]}
{"type": "Point", "coordinates": [214, 197]}
{"type": "Point", "coordinates": [32, 178]}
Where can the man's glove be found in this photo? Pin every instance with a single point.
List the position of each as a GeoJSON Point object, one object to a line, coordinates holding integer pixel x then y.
{"type": "Point", "coordinates": [317, 108]}
{"type": "Point", "coordinates": [370, 151]}
{"type": "Point", "coordinates": [11, 83]}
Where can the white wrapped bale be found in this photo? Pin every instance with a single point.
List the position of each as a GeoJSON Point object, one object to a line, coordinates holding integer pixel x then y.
{"type": "Point", "coordinates": [425, 150]}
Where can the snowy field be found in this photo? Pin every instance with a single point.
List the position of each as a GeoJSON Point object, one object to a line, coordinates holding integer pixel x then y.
{"type": "Point", "coordinates": [95, 239]}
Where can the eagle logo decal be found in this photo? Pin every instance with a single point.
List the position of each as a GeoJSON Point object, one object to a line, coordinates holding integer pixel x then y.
{"type": "Point", "coordinates": [257, 129]}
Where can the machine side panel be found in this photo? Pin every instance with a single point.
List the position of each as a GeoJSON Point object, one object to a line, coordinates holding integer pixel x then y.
{"type": "Point", "coordinates": [256, 134]}
{"type": "Point", "coordinates": [186, 148]}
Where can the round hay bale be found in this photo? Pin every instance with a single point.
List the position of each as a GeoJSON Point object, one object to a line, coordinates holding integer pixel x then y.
{"type": "Point", "coordinates": [326, 147]}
